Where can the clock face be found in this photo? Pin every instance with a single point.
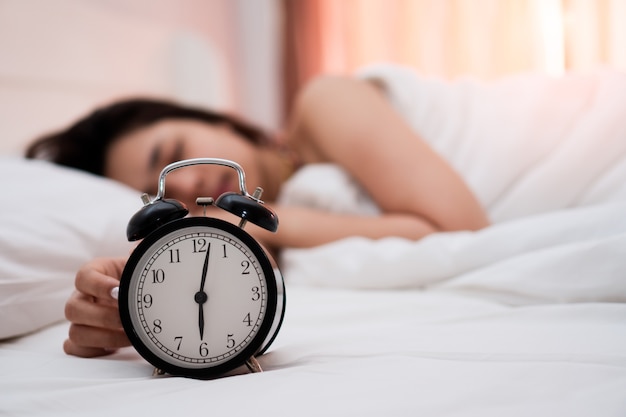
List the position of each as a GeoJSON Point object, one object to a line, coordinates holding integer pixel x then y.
{"type": "Point", "coordinates": [198, 297]}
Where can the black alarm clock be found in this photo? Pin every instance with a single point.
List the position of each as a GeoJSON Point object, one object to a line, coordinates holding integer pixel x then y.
{"type": "Point", "coordinates": [199, 296]}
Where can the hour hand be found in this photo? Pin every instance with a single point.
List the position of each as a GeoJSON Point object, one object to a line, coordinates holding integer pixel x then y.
{"type": "Point", "coordinates": [201, 297]}
{"type": "Point", "coordinates": [201, 320]}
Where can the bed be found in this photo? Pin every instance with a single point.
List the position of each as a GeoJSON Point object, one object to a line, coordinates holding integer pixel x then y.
{"type": "Point", "coordinates": [525, 317]}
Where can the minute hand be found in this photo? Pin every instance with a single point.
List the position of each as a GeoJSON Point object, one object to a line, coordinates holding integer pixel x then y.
{"type": "Point", "coordinates": [205, 267]}
{"type": "Point", "coordinates": [201, 296]}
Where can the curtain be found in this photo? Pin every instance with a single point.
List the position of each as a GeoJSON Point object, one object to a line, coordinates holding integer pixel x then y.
{"type": "Point", "coordinates": [450, 38]}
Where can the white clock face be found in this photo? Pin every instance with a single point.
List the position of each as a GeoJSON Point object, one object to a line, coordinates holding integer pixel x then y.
{"type": "Point", "coordinates": [197, 297]}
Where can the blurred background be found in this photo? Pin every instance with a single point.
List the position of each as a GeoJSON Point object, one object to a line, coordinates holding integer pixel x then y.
{"type": "Point", "coordinates": [59, 59]}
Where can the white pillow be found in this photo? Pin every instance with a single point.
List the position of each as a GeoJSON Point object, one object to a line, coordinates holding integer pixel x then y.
{"type": "Point", "coordinates": [52, 220]}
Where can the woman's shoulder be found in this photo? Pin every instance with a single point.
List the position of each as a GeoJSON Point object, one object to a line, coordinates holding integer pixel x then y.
{"type": "Point", "coordinates": [323, 107]}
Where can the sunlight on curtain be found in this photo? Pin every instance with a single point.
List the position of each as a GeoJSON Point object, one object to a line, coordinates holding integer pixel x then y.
{"type": "Point", "coordinates": [595, 33]}
{"type": "Point", "coordinates": [449, 38]}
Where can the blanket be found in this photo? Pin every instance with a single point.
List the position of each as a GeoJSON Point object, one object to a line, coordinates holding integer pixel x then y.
{"type": "Point", "coordinates": [549, 165]}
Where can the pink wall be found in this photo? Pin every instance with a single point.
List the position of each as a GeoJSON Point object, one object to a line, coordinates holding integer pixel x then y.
{"type": "Point", "coordinates": [59, 59]}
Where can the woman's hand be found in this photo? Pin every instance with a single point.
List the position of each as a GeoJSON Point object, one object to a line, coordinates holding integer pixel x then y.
{"type": "Point", "coordinates": [95, 328]}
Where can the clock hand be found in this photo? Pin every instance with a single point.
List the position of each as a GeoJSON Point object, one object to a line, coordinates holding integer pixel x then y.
{"type": "Point", "coordinates": [205, 267]}
{"type": "Point", "coordinates": [201, 297]}
{"type": "Point", "coordinates": [201, 321]}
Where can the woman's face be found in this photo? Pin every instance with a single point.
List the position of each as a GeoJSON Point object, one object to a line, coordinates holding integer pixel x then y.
{"type": "Point", "coordinates": [137, 159]}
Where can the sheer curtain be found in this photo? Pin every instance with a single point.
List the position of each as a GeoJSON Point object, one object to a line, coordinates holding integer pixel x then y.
{"type": "Point", "coordinates": [449, 38]}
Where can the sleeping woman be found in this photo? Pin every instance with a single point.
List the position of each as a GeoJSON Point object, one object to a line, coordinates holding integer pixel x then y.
{"type": "Point", "coordinates": [343, 121]}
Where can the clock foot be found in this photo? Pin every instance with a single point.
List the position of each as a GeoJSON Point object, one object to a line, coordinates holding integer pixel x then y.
{"type": "Point", "coordinates": [253, 365]}
{"type": "Point", "coordinates": [158, 372]}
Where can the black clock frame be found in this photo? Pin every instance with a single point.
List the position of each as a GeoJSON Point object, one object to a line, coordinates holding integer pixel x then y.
{"type": "Point", "coordinates": [254, 348]}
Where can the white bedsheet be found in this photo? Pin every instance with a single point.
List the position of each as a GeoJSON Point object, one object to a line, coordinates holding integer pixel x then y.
{"type": "Point", "coordinates": [358, 353]}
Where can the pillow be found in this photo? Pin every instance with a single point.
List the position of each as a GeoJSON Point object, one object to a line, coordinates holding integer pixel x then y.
{"type": "Point", "coordinates": [53, 220]}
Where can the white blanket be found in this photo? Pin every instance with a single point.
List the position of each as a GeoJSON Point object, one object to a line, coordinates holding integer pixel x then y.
{"type": "Point", "coordinates": [547, 158]}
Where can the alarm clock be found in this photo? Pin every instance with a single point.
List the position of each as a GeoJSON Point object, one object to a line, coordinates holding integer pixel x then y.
{"type": "Point", "coordinates": [199, 296]}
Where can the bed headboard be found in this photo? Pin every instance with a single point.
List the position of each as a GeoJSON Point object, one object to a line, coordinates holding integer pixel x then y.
{"type": "Point", "coordinates": [60, 59]}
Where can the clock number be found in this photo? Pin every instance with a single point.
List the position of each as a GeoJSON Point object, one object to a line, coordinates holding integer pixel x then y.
{"type": "Point", "coordinates": [174, 256]}
{"type": "Point", "coordinates": [199, 245]}
{"type": "Point", "coordinates": [147, 301]}
{"type": "Point", "coordinates": [158, 276]}
{"type": "Point", "coordinates": [157, 326]}
{"type": "Point", "coordinates": [255, 294]}
{"type": "Point", "coordinates": [230, 342]}
{"type": "Point", "coordinates": [247, 320]}
{"type": "Point", "coordinates": [224, 247]}
{"type": "Point", "coordinates": [204, 349]}
{"type": "Point", "coordinates": [246, 267]}
{"type": "Point", "coordinates": [179, 339]}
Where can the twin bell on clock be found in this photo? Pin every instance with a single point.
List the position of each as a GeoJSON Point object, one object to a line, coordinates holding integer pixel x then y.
{"type": "Point", "coordinates": [199, 296]}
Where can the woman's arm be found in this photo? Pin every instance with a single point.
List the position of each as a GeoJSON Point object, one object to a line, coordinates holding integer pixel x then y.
{"type": "Point", "coordinates": [302, 227]}
{"type": "Point", "coordinates": [350, 122]}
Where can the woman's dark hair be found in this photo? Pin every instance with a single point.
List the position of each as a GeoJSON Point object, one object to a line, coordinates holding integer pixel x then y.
{"type": "Point", "coordinates": [84, 144]}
